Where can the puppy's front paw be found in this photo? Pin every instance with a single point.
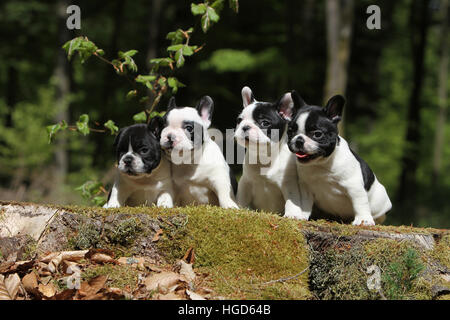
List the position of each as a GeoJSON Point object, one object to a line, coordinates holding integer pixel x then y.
{"type": "Point", "coordinates": [364, 221]}
{"type": "Point", "coordinates": [230, 205]}
{"type": "Point", "coordinates": [111, 205]}
{"type": "Point", "coordinates": [297, 215]}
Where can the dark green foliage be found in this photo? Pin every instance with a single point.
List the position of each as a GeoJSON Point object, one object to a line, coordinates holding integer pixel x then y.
{"type": "Point", "coordinates": [399, 276]}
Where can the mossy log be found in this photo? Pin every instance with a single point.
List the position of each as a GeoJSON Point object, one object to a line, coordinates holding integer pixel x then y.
{"type": "Point", "coordinates": [245, 254]}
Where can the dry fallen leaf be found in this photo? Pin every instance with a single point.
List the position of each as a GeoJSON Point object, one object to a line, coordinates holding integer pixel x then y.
{"type": "Point", "coordinates": [89, 289]}
{"type": "Point", "coordinates": [194, 296]}
{"type": "Point", "coordinates": [30, 282]}
{"type": "Point", "coordinates": [102, 258]}
{"type": "Point", "coordinates": [165, 279]}
{"type": "Point", "coordinates": [47, 290]}
{"type": "Point", "coordinates": [189, 256]}
{"type": "Point", "coordinates": [168, 296]}
{"type": "Point", "coordinates": [67, 294]}
{"type": "Point", "coordinates": [64, 255]}
{"type": "Point", "coordinates": [157, 235]}
{"type": "Point", "coordinates": [12, 284]}
{"type": "Point", "coordinates": [4, 294]}
{"type": "Point", "coordinates": [186, 270]}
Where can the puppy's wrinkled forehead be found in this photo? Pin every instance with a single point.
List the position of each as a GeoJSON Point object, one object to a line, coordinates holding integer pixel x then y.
{"type": "Point", "coordinates": [311, 118]}
{"type": "Point", "coordinates": [176, 117]}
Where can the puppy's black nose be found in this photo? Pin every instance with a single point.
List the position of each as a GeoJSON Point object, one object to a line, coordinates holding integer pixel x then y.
{"type": "Point", "coordinates": [299, 142]}
{"type": "Point", "coordinates": [245, 128]}
{"type": "Point", "coordinates": [170, 138]}
{"type": "Point", "coordinates": [128, 160]}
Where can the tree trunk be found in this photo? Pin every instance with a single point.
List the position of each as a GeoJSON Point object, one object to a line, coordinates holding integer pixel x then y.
{"type": "Point", "coordinates": [153, 31]}
{"type": "Point", "coordinates": [62, 76]}
{"type": "Point", "coordinates": [442, 94]}
{"type": "Point", "coordinates": [339, 17]}
{"type": "Point", "coordinates": [419, 24]}
{"type": "Point", "coordinates": [11, 93]}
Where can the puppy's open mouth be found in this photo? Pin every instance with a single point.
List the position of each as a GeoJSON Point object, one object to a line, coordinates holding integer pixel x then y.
{"type": "Point", "coordinates": [302, 156]}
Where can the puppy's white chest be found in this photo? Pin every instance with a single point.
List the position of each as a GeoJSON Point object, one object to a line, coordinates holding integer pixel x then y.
{"type": "Point", "coordinates": [328, 191]}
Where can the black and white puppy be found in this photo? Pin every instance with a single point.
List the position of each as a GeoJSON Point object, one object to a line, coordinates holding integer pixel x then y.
{"type": "Point", "coordinates": [199, 170]}
{"type": "Point", "coordinates": [143, 176]}
{"type": "Point", "coordinates": [269, 177]}
{"type": "Point", "coordinates": [331, 175]}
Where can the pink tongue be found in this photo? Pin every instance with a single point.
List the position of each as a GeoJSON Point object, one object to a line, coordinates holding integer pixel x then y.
{"type": "Point", "coordinates": [301, 155]}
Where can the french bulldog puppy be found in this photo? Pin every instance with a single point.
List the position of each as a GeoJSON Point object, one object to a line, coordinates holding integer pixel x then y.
{"type": "Point", "coordinates": [332, 176]}
{"type": "Point", "coordinates": [199, 170]}
{"type": "Point", "coordinates": [143, 176]}
{"type": "Point", "coordinates": [269, 178]}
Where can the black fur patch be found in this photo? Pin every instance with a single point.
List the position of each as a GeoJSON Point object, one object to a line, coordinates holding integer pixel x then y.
{"type": "Point", "coordinates": [196, 135]}
{"type": "Point", "coordinates": [267, 112]}
{"type": "Point", "coordinates": [367, 173]}
{"type": "Point", "coordinates": [233, 181]}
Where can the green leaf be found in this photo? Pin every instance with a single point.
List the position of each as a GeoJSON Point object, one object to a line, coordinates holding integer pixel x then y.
{"type": "Point", "coordinates": [89, 189]}
{"type": "Point", "coordinates": [164, 62]}
{"type": "Point", "coordinates": [157, 114]}
{"type": "Point", "coordinates": [174, 84]}
{"type": "Point", "coordinates": [140, 117]}
{"type": "Point", "coordinates": [208, 18]}
{"type": "Point", "coordinates": [197, 9]}
{"type": "Point", "coordinates": [82, 124]}
{"type": "Point", "coordinates": [99, 201]}
{"type": "Point", "coordinates": [131, 94]}
{"type": "Point", "coordinates": [111, 126]}
{"type": "Point", "coordinates": [143, 79]}
{"type": "Point", "coordinates": [175, 47]}
{"type": "Point", "coordinates": [176, 37]}
{"type": "Point", "coordinates": [83, 46]}
{"type": "Point", "coordinates": [218, 5]}
{"type": "Point", "coordinates": [52, 130]}
{"type": "Point", "coordinates": [179, 58]}
{"type": "Point", "coordinates": [128, 53]}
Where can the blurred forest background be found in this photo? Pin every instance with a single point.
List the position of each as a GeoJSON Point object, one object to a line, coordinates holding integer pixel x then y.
{"type": "Point", "coordinates": [395, 81]}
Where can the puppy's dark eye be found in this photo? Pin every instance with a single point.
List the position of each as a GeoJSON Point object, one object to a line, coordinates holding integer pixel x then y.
{"type": "Point", "coordinates": [144, 150]}
{"type": "Point", "coordinates": [238, 120]}
{"type": "Point", "coordinates": [317, 134]}
{"type": "Point", "coordinates": [265, 123]}
{"type": "Point", "coordinates": [189, 128]}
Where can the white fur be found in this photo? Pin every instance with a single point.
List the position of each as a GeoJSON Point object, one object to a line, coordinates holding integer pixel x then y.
{"type": "Point", "coordinates": [336, 185]}
{"type": "Point", "coordinates": [269, 186]}
{"type": "Point", "coordinates": [201, 175]}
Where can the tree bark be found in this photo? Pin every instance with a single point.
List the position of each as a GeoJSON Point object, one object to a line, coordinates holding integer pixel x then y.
{"type": "Point", "coordinates": [419, 24]}
{"type": "Point", "coordinates": [11, 93]}
{"type": "Point", "coordinates": [62, 76]}
{"type": "Point", "coordinates": [339, 17]}
{"type": "Point", "coordinates": [442, 94]}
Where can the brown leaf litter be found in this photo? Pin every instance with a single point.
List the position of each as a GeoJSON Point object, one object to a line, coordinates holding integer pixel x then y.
{"type": "Point", "coordinates": [61, 276]}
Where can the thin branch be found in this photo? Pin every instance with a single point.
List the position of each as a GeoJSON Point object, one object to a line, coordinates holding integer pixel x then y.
{"type": "Point", "coordinates": [287, 278]}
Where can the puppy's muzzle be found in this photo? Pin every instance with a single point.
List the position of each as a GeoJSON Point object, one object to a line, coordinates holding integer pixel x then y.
{"type": "Point", "coordinates": [128, 160]}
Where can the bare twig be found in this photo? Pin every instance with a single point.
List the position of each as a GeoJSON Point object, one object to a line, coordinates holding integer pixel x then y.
{"type": "Point", "coordinates": [287, 278]}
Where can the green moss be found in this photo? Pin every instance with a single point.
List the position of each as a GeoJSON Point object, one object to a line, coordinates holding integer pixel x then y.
{"type": "Point", "coordinates": [88, 236]}
{"type": "Point", "coordinates": [441, 251]}
{"type": "Point", "coordinates": [119, 276]}
{"type": "Point", "coordinates": [30, 249]}
{"type": "Point", "coordinates": [125, 232]}
{"type": "Point", "coordinates": [241, 250]}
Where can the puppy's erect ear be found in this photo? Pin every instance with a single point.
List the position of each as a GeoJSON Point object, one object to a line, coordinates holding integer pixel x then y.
{"type": "Point", "coordinates": [334, 108]}
{"type": "Point", "coordinates": [205, 109]}
{"type": "Point", "coordinates": [285, 107]}
{"type": "Point", "coordinates": [156, 125]}
{"type": "Point", "coordinates": [172, 104]}
{"type": "Point", "coordinates": [298, 101]}
{"type": "Point", "coordinates": [247, 96]}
